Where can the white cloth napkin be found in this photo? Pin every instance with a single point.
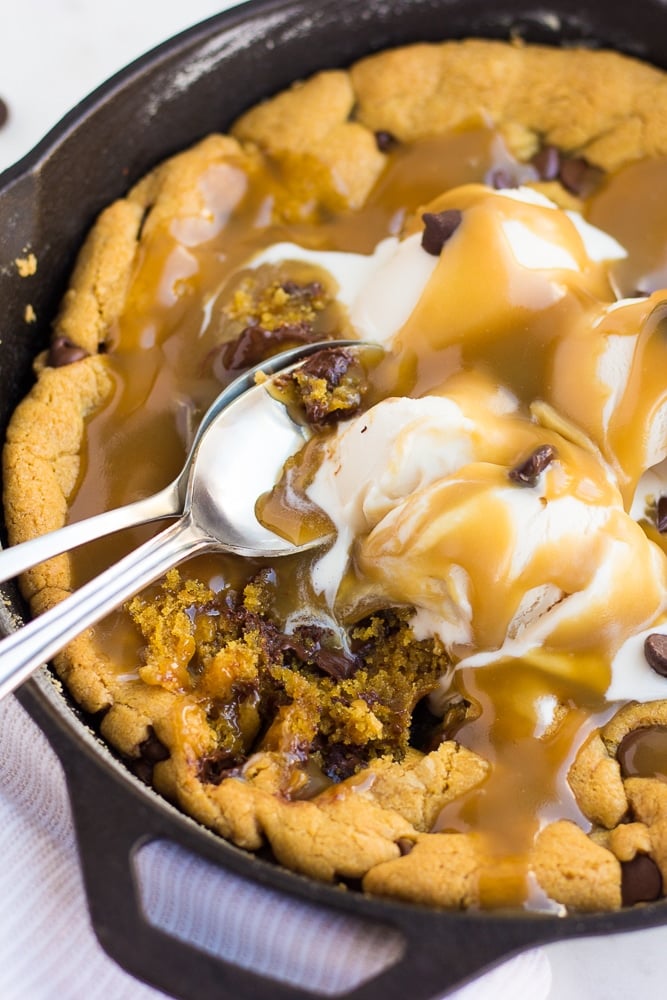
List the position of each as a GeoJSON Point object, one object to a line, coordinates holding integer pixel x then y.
{"type": "Point", "coordinates": [48, 949]}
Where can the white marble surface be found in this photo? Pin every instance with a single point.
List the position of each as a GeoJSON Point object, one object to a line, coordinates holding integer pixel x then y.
{"type": "Point", "coordinates": [52, 53]}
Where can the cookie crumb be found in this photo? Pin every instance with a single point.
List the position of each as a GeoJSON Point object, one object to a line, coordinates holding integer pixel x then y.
{"type": "Point", "coordinates": [26, 266]}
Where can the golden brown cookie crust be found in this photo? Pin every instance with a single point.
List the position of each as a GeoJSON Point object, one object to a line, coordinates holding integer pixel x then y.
{"type": "Point", "coordinates": [597, 104]}
{"type": "Point", "coordinates": [321, 133]}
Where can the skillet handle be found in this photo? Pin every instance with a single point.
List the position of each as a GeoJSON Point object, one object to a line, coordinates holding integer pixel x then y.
{"type": "Point", "coordinates": [113, 818]}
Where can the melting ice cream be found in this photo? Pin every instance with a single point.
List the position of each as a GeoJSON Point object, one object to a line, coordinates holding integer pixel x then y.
{"type": "Point", "coordinates": [515, 340]}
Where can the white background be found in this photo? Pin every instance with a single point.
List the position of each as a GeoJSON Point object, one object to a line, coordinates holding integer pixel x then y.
{"type": "Point", "coordinates": [52, 53]}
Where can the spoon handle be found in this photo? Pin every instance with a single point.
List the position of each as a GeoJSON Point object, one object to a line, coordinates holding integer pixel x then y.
{"type": "Point", "coordinates": [26, 649]}
{"type": "Point", "coordinates": [17, 558]}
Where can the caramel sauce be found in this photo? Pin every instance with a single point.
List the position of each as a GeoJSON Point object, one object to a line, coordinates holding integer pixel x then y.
{"type": "Point", "coordinates": [530, 756]}
{"type": "Point", "coordinates": [160, 360]}
{"type": "Point", "coordinates": [161, 350]}
{"type": "Point", "coordinates": [288, 510]}
{"type": "Point", "coordinates": [638, 223]}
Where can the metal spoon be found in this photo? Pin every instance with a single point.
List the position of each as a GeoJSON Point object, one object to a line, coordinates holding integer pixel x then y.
{"type": "Point", "coordinates": [239, 450]}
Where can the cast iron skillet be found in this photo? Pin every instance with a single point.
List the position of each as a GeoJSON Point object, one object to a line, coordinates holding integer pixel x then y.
{"type": "Point", "coordinates": [197, 83]}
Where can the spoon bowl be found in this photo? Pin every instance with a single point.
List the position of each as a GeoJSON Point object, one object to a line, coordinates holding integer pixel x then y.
{"type": "Point", "coordinates": [238, 452]}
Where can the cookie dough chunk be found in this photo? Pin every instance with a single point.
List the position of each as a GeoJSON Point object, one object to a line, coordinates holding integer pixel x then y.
{"type": "Point", "coordinates": [340, 836]}
{"type": "Point", "coordinates": [628, 840]}
{"type": "Point", "coordinates": [309, 132]}
{"type": "Point", "coordinates": [41, 459]}
{"type": "Point", "coordinates": [175, 190]}
{"type": "Point", "coordinates": [441, 869]}
{"type": "Point", "coordinates": [648, 800]}
{"type": "Point", "coordinates": [595, 779]}
{"type": "Point", "coordinates": [575, 871]}
{"type": "Point", "coordinates": [629, 808]}
{"type": "Point", "coordinates": [596, 776]}
{"type": "Point", "coordinates": [101, 278]}
{"type": "Point", "coordinates": [601, 105]}
{"type": "Point", "coordinates": [420, 786]}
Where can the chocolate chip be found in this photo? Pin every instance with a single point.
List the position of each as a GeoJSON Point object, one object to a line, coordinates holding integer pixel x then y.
{"type": "Point", "coordinates": [345, 385]}
{"type": "Point", "coordinates": [255, 344]}
{"type": "Point", "coordinates": [547, 162]}
{"type": "Point", "coordinates": [336, 664]}
{"type": "Point", "coordinates": [330, 364]}
{"type": "Point", "coordinates": [143, 770]}
{"type": "Point", "coordinates": [655, 651]}
{"type": "Point", "coordinates": [63, 352]}
{"type": "Point", "coordinates": [642, 753]}
{"type": "Point", "coordinates": [501, 179]}
{"type": "Point", "coordinates": [309, 645]}
{"type": "Point", "coordinates": [213, 768]}
{"type": "Point", "coordinates": [341, 760]}
{"type": "Point", "coordinates": [4, 112]}
{"type": "Point", "coordinates": [385, 141]}
{"type": "Point", "coordinates": [661, 515]}
{"type": "Point", "coordinates": [438, 228]}
{"type": "Point", "coordinates": [405, 845]}
{"type": "Point", "coordinates": [575, 173]}
{"type": "Point", "coordinates": [641, 881]}
{"type": "Point", "coordinates": [153, 749]}
{"type": "Point", "coordinates": [529, 472]}
{"type": "Point", "coordinates": [578, 176]}
{"type": "Point", "coordinates": [313, 290]}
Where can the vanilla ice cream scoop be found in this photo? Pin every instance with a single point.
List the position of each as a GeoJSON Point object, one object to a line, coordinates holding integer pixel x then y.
{"type": "Point", "coordinates": [609, 378]}
{"type": "Point", "coordinates": [508, 341]}
{"type": "Point", "coordinates": [430, 501]}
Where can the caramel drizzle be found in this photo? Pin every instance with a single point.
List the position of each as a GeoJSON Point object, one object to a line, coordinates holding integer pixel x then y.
{"type": "Point", "coordinates": [158, 358]}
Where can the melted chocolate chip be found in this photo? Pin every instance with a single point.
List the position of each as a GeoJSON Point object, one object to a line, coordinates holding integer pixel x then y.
{"type": "Point", "coordinates": [143, 770]}
{"type": "Point", "coordinates": [309, 645]}
{"type": "Point", "coordinates": [642, 753]}
{"type": "Point", "coordinates": [425, 732]}
{"type": "Point", "coordinates": [151, 752]}
{"type": "Point", "coordinates": [334, 366]}
{"type": "Point", "coordinates": [661, 515]}
{"type": "Point", "coordinates": [385, 141]}
{"type": "Point", "coordinates": [641, 881]}
{"type": "Point", "coordinates": [655, 651]}
{"type": "Point", "coordinates": [438, 228]}
{"type": "Point", "coordinates": [313, 290]}
{"type": "Point", "coordinates": [341, 760]}
{"type": "Point", "coordinates": [547, 162]}
{"type": "Point", "coordinates": [216, 766]}
{"type": "Point", "coordinates": [255, 344]}
{"type": "Point", "coordinates": [501, 179]}
{"type": "Point", "coordinates": [575, 173]}
{"type": "Point", "coordinates": [578, 176]}
{"type": "Point", "coordinates": [4, 112]}
{"type": "Point", "coordinates": [529, 472]}
{"type": "Point", "coordinates": [153, 749]}
{"type": "Point", "coordinates": [331, 364]}
{"type": "Point", "coordinates": [63, 352]}
{"type": "Point", "coordinates": [336, 664]}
